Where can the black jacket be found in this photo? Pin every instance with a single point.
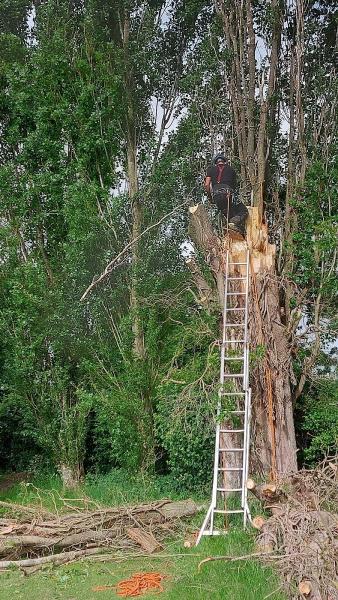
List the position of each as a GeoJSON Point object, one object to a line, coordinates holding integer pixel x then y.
{"type": "Point", "coordinates": [227, 176]}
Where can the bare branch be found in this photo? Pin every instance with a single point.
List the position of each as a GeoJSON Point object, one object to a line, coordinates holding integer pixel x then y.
{"type": "Point", "coordinates": [113, 262]}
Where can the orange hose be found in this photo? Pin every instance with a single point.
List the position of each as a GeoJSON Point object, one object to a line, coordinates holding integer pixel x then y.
{"type": "Point", "coordinates": [140, 583]}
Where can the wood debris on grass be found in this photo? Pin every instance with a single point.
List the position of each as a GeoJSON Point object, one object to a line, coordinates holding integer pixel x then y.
{"type": "Point", "coordinates": [34, 538]}
{"type": "Point", "coordinates": [301, 534]}
{"type": "Point", "coordinates": [303, 530]}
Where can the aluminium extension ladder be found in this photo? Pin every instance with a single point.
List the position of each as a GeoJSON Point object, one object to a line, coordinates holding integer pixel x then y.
{"type": "Point", "coordinates": [232, 460]}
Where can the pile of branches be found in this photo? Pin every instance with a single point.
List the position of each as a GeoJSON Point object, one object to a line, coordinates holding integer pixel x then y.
{"type": "Point", "coordinates": [32, 537]}
{"type": "Point", "coordinates": [301, 532]}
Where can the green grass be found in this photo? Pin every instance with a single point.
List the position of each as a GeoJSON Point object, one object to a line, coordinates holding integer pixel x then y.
{"type": "Point", "coordinates": [217, 580]}
{"type": "Point", "coordinates": [115, 488]}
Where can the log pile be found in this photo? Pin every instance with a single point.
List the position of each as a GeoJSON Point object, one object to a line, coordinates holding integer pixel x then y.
{"type": "Point", "coordinates": [32, 537]}
{"type": "Point", "coordinates": [301, 532]}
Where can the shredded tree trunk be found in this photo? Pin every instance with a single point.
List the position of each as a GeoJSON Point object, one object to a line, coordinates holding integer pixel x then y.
{"type": "Point", "coordinates": [274, 443]}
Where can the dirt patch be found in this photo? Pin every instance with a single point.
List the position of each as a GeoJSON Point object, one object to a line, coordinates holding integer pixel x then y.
{"type": "Point", "coordinates": [7, 481]}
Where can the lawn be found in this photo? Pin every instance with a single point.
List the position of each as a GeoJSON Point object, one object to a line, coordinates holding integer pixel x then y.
{"type": "Point", "coordinates": [242, 580]}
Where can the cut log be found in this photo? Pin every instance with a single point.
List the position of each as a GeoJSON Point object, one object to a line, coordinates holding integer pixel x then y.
{"type": "Point", "coordinates": [146, 540]}
{"type": "Point", "coordinates": [178, 510]}
{"type": "Point", "coordinates": [258, 522]}
{"type": "Point", "coordinates": [266, 492]}
{"type": "Point", "coordinates": [267, 540]}
{"type": "Point", "coordinates": [305, 588]}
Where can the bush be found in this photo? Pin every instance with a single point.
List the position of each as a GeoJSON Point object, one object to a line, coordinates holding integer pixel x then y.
{"type": "Point", "coordinates": [319, 420]}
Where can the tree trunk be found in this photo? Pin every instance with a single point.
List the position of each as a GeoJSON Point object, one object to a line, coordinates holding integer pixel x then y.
{"type": "Point", "coordinates": [70, 475]}
{"type": "Point", "coordinates": [271, 370]}
{"type": "Point", "coordinates": [148, 459]}
{"type": "Point", "coordinates": [136, 206]}
{"type": "Point", "coordinates": [274, 443]}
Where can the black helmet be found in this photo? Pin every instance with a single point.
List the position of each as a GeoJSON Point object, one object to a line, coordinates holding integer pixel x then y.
{"type": "Point", "coordinates": [219, 157]}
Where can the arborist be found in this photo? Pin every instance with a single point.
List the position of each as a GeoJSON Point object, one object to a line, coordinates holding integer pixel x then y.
{"type": "Point", "coordinates": [220, 184]}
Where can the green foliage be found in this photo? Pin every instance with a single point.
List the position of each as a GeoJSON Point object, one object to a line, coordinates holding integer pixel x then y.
{"type": "Point", "coordinates": [319, 407]}
{"type": "Point", "coordinates": [72, 392]}
{"type": "Point", "coordinates": [186, 405]}
{"type": "Point", "coordinates": [314, 243]}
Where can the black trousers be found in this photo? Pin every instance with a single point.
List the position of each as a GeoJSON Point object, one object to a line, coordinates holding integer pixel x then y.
{"type": "Point", "coordinates": [232, 212]}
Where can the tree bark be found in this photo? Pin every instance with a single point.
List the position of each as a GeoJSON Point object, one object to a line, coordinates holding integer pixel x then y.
{"type": "Point", "coordinates": [70, 475]}
{"type": "Point", "coordinates": [204, 290]}
{"type": "Point", "coordinates": [136, 207]}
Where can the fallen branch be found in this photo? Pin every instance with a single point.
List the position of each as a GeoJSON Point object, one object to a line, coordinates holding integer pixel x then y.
{"type": "Point", "coordinates": [238, 558]}
{"type": "Point", "coordinates": [266, 492]}
{"type": "Point", "coordinates": [144, 539]}
{"type": "Point", "coordinates": [21, 509]}
{"type": "Point", "coordinates": [126, 527]}
{"type": "Point", "coordinates": [58, 559]}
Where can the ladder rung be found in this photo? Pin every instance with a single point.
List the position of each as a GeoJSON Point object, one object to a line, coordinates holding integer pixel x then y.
{"type": "Point", "coordinates": [230, 468]}
{"type": "Point", "coordinates": [233, 394]}
{"type": "Point", "coordinates": [236, 293]}
{"type": "Point", "coordinates": [228, 309]}
{"type": "Point", "coordinates": [233, 342]}
{"type": "Point", "coordinates": [245, 263]}
{"type": "Point", "coordinates": [227, 512]}
{"type": "Point", "coordinates": [231, 430]}
{"type": "Point", "coordinates": [227, 375]}
{"type": "Point", "coordinates": [230, 449]}
{"type": "Point", "coordinates": [215, 532]}
{"type": "Point", "coordinates": [220, 489]}
{"type": "Point", "coordinates": [237, 412]}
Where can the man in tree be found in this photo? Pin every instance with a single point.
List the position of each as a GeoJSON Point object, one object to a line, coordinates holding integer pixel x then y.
{"type": "Point", "coordinates": [220, 185]}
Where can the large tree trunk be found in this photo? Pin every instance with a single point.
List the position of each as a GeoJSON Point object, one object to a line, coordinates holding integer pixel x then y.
{"type": "Point", "coordinates": [136, 206]}
{"type": "Point", "coordinates": [70, 475]}
{"type": "Point", "coordinates": [274, 444]}
{"type": "Point", "coordinates": [148, 459]}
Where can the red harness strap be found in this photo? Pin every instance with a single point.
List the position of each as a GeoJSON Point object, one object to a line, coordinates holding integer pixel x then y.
{"type": "Point", "coordinates": [220, 171]}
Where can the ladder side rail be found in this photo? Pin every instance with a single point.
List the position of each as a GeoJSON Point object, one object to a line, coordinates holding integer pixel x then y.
{"type": "Point", "coordinates": [246, 469]}
{"type": "Point", "coordinates": [245, 337]}
{"type": "Point", "coordinates": [219, 404]}
{"type": "Point", "coordinates": [245, 444]}
{"type": "Point", "coordinates": [245, 389]}
{"type": "Point", "coordinates": [205, 522]}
